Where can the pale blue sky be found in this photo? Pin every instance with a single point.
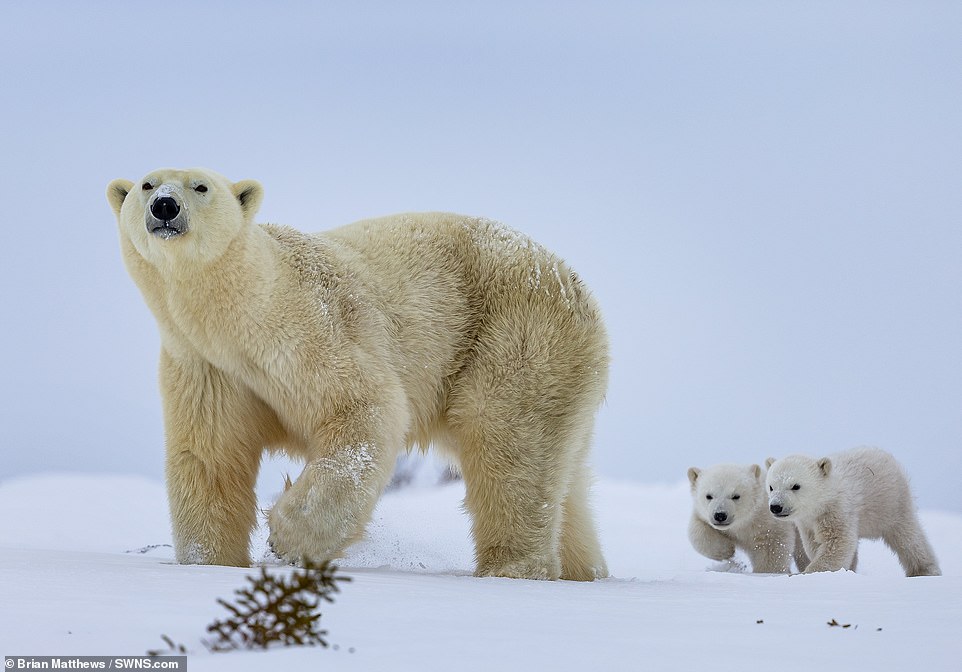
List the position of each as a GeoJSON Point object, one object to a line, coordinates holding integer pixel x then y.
{"type": "Point", "coordinates": [764, 196]}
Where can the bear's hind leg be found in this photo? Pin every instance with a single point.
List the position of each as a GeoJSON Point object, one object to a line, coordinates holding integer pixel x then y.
{"type": "Point", "coordinates": [516, 460]}
{"type": "Point", "coordinates": [521, 412]}
{"type": "Point", "coordinates": [581, 557]}
{"type": "Point", "coordinates": [912, 548]}
{"type": "Point", "coordinates": [516, 519]}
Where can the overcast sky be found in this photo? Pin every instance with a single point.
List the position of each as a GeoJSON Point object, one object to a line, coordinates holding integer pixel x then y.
{"type": "Point", "coordinates": [764, 196]}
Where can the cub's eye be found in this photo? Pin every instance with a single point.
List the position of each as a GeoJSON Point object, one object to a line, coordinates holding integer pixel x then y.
{"type": "Point", "coordinates": [736, 496]}
{"type": "Point", "coordinates": [771, 489]}
{"type": "Point", "coordinates": [708, 497]}
{"type": "Point", "coordinates": [796, 487]}
{"type": "Point", "coordinates": [201, 188]}
{"type": "Point", "coordinates": [147, 186]}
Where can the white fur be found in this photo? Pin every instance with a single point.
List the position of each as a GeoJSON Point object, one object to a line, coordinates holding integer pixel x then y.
{"type": "Point", "coordinates": [347, 347]}
{"type": "Point", "coordinates": [835, 501]}
{"type": "Point", "coordinates": [730, 511]}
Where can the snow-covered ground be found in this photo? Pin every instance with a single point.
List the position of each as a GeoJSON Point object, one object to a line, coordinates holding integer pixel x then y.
{"type": "Point", "coordinates": [72, 582]}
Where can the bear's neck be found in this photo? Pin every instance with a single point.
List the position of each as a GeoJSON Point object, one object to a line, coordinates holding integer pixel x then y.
{"type": "Point", "coordinates": [220, 306]}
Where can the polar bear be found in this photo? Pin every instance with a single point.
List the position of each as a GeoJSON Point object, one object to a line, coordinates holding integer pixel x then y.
{"type": "Point", "coordinates": [344, 349]}
{"type": "Point", "coordinates": [730, 510]}
{"type": "Point", "coordinates": [835, 501]}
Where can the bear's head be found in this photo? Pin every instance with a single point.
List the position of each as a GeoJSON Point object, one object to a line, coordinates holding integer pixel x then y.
{"type": "Point", "coordinates": [796, 484]}
{"type": "Point", "coordinates": [192, 215]}
{"type": "Point", "coordinates": [727, 495]}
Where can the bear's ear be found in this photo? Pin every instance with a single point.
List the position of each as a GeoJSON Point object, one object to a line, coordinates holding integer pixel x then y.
{"type": "Point", "coordinates": [769, 462]}
{"type": "Point", "coordinates": [755, 471]}
{"type": "Point", "coordinates": [825, 466]}
{"type": "Point", "coordinates": [249, 193]}
{"type": "Point", "coordinates": [116, 193]}
{"type": "Point", "coordinates": [693, 474]}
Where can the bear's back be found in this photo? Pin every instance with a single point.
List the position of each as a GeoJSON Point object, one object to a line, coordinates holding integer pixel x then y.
{"type": "Point", "coordinates": [877, 485]}
{"type": "Point", "coordinates": [487, 261]}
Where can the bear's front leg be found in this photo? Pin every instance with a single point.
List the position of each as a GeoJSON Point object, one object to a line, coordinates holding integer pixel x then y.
{"type": "Point", "coordinates": [801, 557]}
{"type": "Point", "coordinates": [836, 544]}
{"type": "Point", "coordinates": [214, 445]}
{"type": "Point", "coordinates": [708, 541]}
{"type": "Point", "coordinates": [771, 548]}
{"type": "Point", "coordinates": [331, 502]}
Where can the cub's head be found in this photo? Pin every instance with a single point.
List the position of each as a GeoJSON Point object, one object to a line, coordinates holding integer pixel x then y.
{"type": "Point", "coordinates": [726, 495]}
{"type": "Point", "coordinates": [796, 484]}
{"type": "Point", "coordinates": [192, 215]}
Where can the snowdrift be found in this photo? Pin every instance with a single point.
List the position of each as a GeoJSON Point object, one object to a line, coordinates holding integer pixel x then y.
{"type": "Point", "coordinates": [86, 569]}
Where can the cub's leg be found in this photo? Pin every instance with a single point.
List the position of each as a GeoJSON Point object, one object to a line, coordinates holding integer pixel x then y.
{"type": "Point", "coordinates": [801, 557]}
{"type": "Point", "coordinates": [836, 541]}
{"type": "Point", "coordinates": [771, 550]}
{"type": "Point", "coordinates": [708, 541]}
{"type": "Point", "coordinates": [910, 544]}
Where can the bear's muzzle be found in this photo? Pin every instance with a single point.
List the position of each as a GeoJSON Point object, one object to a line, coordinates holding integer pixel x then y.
{"type": "Point", "coordinates": [165, 218]}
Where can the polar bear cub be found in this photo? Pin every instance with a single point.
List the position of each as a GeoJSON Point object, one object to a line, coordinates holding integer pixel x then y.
{"type": "Point", "coordinates": [730, 510]}
{"type": "Point", "coordinates": [835, 501]}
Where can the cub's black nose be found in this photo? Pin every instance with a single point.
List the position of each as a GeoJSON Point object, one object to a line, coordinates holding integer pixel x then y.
{"type": "Point", "coordinates": [164, 208]}
{"type": "Point", "coordinates": [775, 508]}
{"type": "Point", "coordinates": [720, 516]}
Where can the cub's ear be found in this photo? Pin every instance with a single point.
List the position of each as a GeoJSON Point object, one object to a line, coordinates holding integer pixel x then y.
{"type": "Point", "coordinates": [249, 193]}
{"type": "Point", "coordinates": [116, 193]}
{"type": "Point", "coordinates": [769, 462]}
{"type": "Point", "coordinates": [755, 471]}
{"type": "Point", "coordinates": [693, 474]}
{"type": "Point", "coordinates": [825, 466]}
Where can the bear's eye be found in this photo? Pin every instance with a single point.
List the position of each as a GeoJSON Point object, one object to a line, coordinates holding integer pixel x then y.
{"type": "Point", "coordinates": [708, 497]}
{"type": "Point", "coordinates": [771, 489]}
{"type": "Point", "coordinates": [736, 496]}
{"type": "Point", "coordinates": [796, 487]}
{"type": "Point", "coordinates": [201, 188]}
{"type": "Point", "coordinates": [147, 186]}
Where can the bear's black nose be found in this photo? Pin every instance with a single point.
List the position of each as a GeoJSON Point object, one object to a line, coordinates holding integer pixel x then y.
{"type": "Point", "coordinates": [720, 516]}
{"type": "Point", "coordinates": [164, 208]}
{"type": "Point", "coordinates": [775, 508]}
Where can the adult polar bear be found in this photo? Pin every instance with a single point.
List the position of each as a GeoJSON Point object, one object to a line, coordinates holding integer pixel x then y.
{"type": "Point", "coordinates": [344, 349]}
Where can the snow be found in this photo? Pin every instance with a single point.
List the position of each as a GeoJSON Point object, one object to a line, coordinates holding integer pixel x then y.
{"type": "Point", "coordinates": [72, 582]}
{"type": "Point", "coordinates": [502, 240]}
{"type": "Point", "coordinates": [350, 462]}
{"type": "Point", "coordinates": [165, 190]}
